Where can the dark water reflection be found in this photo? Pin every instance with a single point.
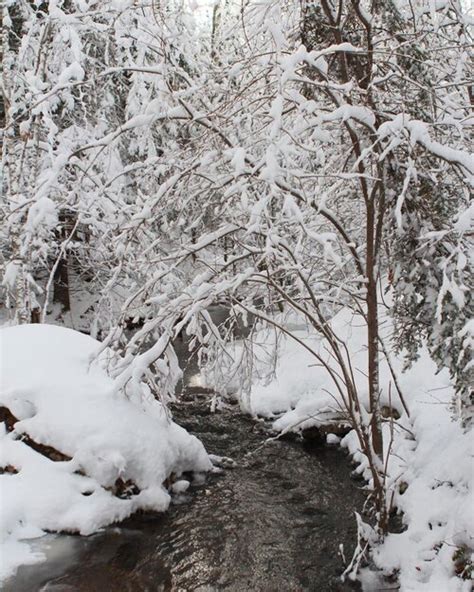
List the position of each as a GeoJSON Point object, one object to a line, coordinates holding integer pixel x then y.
{"type": "Point", "coordinates": [273, 523]}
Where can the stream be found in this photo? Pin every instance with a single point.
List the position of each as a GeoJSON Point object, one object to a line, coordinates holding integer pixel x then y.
{"type": "Point", "coordinates": [273, 523]}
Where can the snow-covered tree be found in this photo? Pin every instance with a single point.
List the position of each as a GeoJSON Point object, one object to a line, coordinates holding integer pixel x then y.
{"type": "Point", "coordinates": [287, 157]}
{"type": "Point", "coordinates": [86, 88]}
{"type": "Point", "coordinates": [309, 161]}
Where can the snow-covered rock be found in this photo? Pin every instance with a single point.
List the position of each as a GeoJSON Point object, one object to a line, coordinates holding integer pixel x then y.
{"type": "Point", "coordinates": [63, 398]}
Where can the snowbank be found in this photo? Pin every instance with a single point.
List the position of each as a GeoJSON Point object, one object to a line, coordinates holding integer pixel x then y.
{"type": "Point", "coordinates": [438, 503]}
{"type": "Point", "coordinates": [299, 389]}
{"type": "Point", "coordinates": [115, 454]}
{"type": "Point", "coordinates": [431, 465]}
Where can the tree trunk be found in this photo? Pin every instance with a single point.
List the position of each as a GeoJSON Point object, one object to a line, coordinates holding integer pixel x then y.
{"type": "Point", "coordinates": [61, 286]}
{"type": "Point", "coordinates": [61, 275]}
{"type": "Point", "coordinates": [373, 333]}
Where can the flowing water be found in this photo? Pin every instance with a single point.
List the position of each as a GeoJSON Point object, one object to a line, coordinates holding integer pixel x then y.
{"type": "Point", "coordinates": [273, 523]}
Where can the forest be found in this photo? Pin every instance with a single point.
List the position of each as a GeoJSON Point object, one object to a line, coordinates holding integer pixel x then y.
{"type": "Point", "coordinates": [236, 260]}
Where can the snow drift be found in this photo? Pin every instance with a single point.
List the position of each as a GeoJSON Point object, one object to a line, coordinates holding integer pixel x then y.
{"type": "Point", "coordinates": [76, 455]}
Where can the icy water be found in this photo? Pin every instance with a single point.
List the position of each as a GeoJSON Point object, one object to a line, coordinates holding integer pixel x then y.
{"type": "Point", "coordinates": [274, 523]}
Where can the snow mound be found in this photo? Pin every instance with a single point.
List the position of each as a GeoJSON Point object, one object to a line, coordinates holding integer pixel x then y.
{"type": "Point", "coordinates": [76, 455]}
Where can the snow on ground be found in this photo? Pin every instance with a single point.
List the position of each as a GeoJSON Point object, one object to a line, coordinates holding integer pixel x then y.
{"type": "Point", "coordinates": [64, 400]}
{"type": "Point", "coordinates": [438, 503]}
{"type": "Point", "coordinates": [431, 464]}
{"type": "Point", "coordinates": [301, 392]}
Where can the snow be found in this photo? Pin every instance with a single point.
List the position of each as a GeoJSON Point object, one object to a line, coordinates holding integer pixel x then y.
{"type": "Point", "coordinates": [64, 398]}
{"type": "Point", "coordinates": [430, 470]}
{"type": "Point", "coordinates": [10, 274]}
{"type": "Point", "coordinates": [180, 486]}
{"type": "Point", "coordinates": [465, 219]}
{"type": "Point", "coordinates": [72, 72]}
{"type": "Point", "coordinates": [332, 440]}
{"type": "Point", "coordinates": [238, 161]}
{"type": "Point", "coordinates": [302, 389]}
{"type": "Point", "coordinates": [345, 112]}
{"type": "Point", "coordinates": [438, 502]}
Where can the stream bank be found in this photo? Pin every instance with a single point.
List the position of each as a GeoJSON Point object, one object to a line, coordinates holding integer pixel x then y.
{"type": "Point", "coordinates": [272, 523]}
